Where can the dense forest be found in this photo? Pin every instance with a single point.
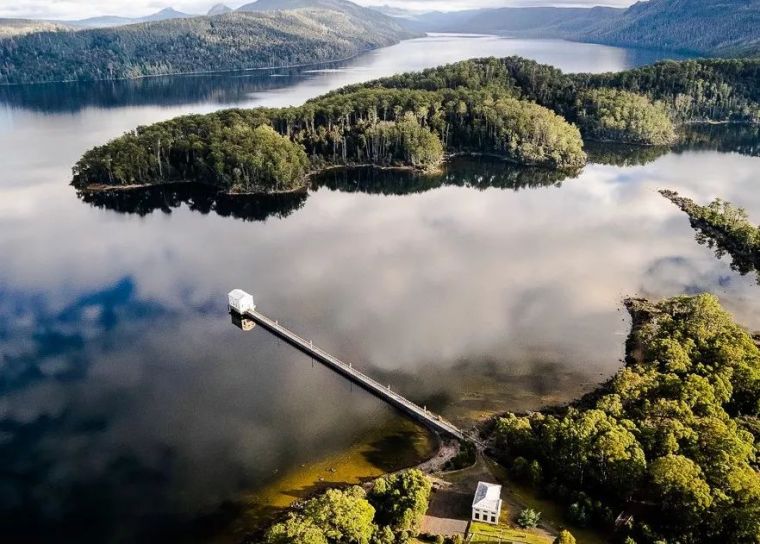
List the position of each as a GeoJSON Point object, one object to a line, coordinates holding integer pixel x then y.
{"type": "Point", "coordinates": [234, 41]}
{"type": "Point", "coordinates": [381, 127]}
{"type": "Point", "coordinates": [724, 228]}
{"type": "Point", "coordinates": [388, 514]}
{"type": "Point", "coordinates": [513, 108]}
{"type": "Point", "coordinates": [670, 441]}
{"type": "Point", "coordinates": [721, 28]}
{"type": "Point", "coordinates": [693, 90]}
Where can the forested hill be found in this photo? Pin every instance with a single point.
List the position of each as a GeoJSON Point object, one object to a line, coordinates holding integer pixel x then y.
{"type": "Point", "coordinates": [233, 41]}
{"type": "Point", "coordinates": [539, 22]}
{"type": "Point", "coordinates": [717, 28]}
{"type": "Point", "coordinates": [725, 27]}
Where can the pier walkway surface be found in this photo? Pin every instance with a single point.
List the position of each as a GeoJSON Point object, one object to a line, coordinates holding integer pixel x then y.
{"type": "Point", "coordinates": [418, 413]}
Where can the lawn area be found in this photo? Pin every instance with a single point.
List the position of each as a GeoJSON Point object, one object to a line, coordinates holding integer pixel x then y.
{"type": "Point", "coordinates": [483, 533]}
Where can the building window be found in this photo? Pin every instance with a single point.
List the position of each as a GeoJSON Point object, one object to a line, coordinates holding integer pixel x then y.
{"type": "Point", "coordinates": [477, 516]}
{"type": "Point", "coordinates": [493, 519]}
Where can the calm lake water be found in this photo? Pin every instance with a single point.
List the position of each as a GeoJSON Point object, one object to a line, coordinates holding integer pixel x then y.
{"type": "Point", "coordinates": [131, 409]}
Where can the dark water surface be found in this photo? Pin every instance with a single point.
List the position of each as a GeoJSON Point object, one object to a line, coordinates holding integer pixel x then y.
{"type": "Point", "coordinates": [132, 410]}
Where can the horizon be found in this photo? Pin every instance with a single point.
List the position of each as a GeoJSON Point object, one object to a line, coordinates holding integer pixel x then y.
{"type": "Point", "coordinates": [83, 9]}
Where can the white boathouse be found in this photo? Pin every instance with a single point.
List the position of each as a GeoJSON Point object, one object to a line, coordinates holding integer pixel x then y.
{"type": "Point", "coordinates": [240, 301]}
{"type": "Point", "coordinates": [486, 505]}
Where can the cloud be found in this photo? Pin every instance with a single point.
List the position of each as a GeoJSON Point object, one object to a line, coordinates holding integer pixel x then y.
{"type": "Point", "coordinates": [76, 9]}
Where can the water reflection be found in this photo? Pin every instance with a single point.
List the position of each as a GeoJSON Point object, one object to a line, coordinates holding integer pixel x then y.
{"type": "Point", "coordinates": [478, 174]}
{"type": "Point", "coordinates": [221, 88]}
{"type": "Point", "coordinates": [292, 86]}
{"type": "Point", "coordinates": [133, 411]}
{"type": "Point", "coordinates": [197, 197]}
{"type": "Point", "coordinates": [725, 138]}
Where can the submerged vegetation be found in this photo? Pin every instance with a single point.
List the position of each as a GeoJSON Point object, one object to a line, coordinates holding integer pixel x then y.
{"type": "Point", "coordinates": [671, 440]}
{"type": "Point", "coordinates": [724, 228]}
{"type": "Point", "coordinates": [512, 108]}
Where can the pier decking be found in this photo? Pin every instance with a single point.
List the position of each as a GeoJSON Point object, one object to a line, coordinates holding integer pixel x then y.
{"type": "Point", "coordinates": [418, 413]}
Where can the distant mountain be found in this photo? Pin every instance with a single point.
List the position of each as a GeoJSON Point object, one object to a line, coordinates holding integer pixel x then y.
{"type": "Point", "coordinates": [714, 27]}
{"type": "Point", "coordinates": [544, 22]}
{"type": "Point", "coordinates": [219, 9]}
{"type": "Point", "coordinates": [721, 27]}
{"type": "Point", "coordinates": [166, 14]}
{"type": "Point", "coordinates": [105, 21]}
{"type": "Point", "coordinates": [336, 5]}
{"type": "Point", "coordinates": [234, 41]}
{"type": "Point", "coordinates": [18, 27]}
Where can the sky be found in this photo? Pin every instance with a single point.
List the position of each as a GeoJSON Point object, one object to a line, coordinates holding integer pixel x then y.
{"type": "Point", "coordinates": [75, 9]}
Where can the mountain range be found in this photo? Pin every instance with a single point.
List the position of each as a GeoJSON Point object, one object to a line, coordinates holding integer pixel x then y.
{"type": "Point", "coordinates": [256, 36]}
{"type": "Point", "coordinates": [706, 27]}
{"type": "Point", "coordinates": [709, 27]}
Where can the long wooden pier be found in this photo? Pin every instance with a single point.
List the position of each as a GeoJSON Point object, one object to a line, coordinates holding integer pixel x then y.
{"type": "Point", "coordinates": [384, 392]}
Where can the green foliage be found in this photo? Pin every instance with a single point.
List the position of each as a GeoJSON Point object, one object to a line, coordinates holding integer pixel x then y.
{"type": "Point", "coordinates": [385, 127]}
{"type": "Point", "coordinates": [725, 228]}
{"type": "Point", "coordinates": [390, 514]}
{"type": "Point", "coordinates": [255, 160]}
{"type": "Point", "coordinates": [693, 90]}
{"type": "Point", "coordinates": [512, 108]}
{"type": "Point", "coordinates": [296, 529]}
{"type": "Point", "coordinates": [528, 518]}
{"type": "Point", "coordinates": [404, 142]}
{"type": "Point", "coordinates": [335, 517]}
{"type": "Point", "coordinates": [623, 116]}
{"type": "Point", "coordinates": [465, 457]}
{"type": "Point", "coordinates": [564, 537]}
{"type": "Point", "coordinates": [234, 41]}
{"type": "Point", "coordinates": [670, 429]}
{"type": "Point", "coordinates": [401, 500]}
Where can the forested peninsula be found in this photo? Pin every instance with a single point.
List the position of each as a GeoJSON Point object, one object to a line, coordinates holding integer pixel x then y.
{"type": "Point", "coordinates": [724, 228]}
{"type": "Point", "coordinates": [665, 452]}
{"type": "Point", "coordinates": [512, 108]}
{"type": "Point", "coordinates": [232, 41]}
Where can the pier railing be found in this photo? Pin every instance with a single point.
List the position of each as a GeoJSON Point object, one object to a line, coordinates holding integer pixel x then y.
{"type": "Point", "coordinates": [423, 415]}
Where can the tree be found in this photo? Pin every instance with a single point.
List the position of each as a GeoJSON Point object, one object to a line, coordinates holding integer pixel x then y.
{"type": "Point", "coordinates": [295, 530]}
{"type": "Point", "coordinates": [678, 483]}
{"type": "Point", "coordinates": [564, 537]}
{"type": "Point", "coordinates": [528, 518]}
{"type": "Point", "coordinates": [345, 517]}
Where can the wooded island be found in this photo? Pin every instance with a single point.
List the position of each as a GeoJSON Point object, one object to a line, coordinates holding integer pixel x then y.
{"type": "Point", "coordinates": [513, 108]}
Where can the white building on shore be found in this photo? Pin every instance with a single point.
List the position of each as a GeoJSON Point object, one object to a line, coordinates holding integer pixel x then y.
{"type": "Point", "coordinates": [486, 505]}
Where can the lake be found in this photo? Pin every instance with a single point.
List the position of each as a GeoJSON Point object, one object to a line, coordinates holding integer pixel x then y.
{"type": "Point", "coordinates": [133, 410]}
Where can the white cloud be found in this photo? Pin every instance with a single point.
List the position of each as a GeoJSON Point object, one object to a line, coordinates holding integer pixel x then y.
{"type": "Point", "coordinates": [73, 9]}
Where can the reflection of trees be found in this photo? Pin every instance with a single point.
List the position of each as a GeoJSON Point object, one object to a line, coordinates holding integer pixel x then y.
{"type": "Point", "coordinates": [476, 173]}
{"type": "Point", "coordinates": [624, 155]}
{"type": "Point", "coordinates": [472, 173]}
{"type": "Point", "coordinates": [222, 88]}
{"type": "Point", "coordinates": [198, 198]}
{"type": "Point", "coordinates": [726, 138]}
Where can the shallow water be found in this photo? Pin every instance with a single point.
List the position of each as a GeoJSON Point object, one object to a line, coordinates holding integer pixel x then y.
{"type": "Point", "coordinates": [132, 409]}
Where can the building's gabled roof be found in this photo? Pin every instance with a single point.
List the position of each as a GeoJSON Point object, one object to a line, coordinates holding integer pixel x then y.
{"type": "Point", "coordinates": [487, 497]}
{"type": "Point", "coordinates": [238, 294]}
